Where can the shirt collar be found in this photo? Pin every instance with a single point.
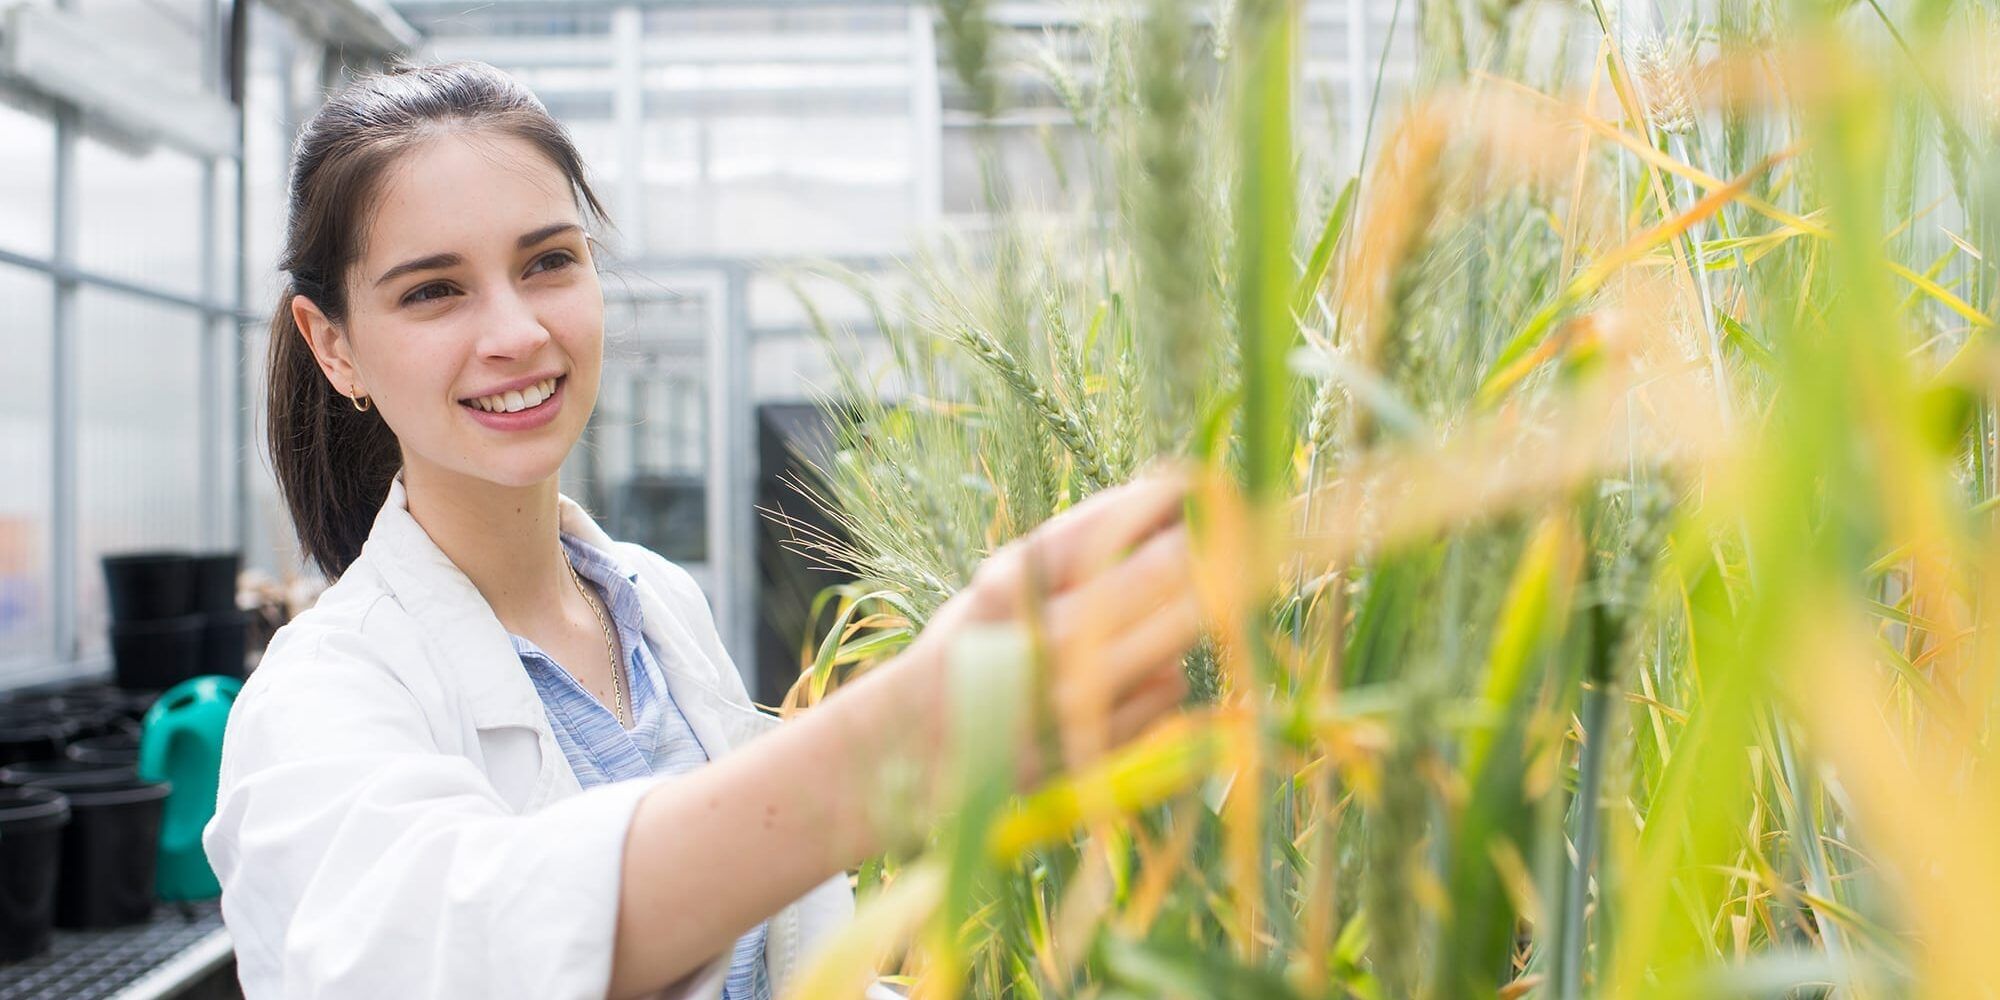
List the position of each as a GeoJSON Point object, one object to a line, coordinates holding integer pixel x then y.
{"type": "Point", "coordinates": [619, 586]}
{"type": "Point", "coordinates": [433, 589]}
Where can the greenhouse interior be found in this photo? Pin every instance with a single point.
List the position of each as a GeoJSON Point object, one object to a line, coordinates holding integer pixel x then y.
{"type": "Point", "coordinates": [1101, 499]}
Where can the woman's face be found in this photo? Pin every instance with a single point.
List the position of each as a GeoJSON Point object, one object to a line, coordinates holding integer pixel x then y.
{"type": "Point", "coordinates": [475, 322]}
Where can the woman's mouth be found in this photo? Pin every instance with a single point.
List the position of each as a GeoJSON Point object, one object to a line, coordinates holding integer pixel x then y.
{"type": "Point", "coordinates": [516, 400]}
{"type": "Point", "coordinates": [518, 409]}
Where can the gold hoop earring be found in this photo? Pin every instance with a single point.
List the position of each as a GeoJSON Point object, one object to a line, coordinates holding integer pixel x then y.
{"type": "Point", "coordinates": [362, 403]}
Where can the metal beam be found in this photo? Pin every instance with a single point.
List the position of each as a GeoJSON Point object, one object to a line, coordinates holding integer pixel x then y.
{"type": "Point", "coordinates": [61, 55]}
{"type": "Point", "coordinates": [705, 48]}
{"type": "Point", "coordinates": [417, 9]}
{"type": "Point", "coordinates": [739, 471]}
{"type": "Point", "coordinates": [209, 420]}
{"type": "Point", "coordinates": [628, 110]}
{"type": "Point", "coordinates": [721, 102]}
{"type": "Point", "coordinates": [368, 25]}
{"type": "Point", "coordinates": [63, 410]}
{"type": "Point", "coordinates": [719, 366]}
{"type": "Point", "coordinates": [238, 80]}
{"type": "Point", "coordinates": [67, 272]}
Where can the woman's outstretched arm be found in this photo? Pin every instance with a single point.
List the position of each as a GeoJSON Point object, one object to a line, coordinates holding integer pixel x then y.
{"type": "Point", "coordinates": [763, 825]}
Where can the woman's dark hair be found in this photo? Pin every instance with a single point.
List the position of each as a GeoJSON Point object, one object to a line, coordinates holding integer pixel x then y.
{"type": "Point", "coordinates": [334, 463]}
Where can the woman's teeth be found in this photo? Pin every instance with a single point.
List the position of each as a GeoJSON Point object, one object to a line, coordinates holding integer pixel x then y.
{"type": "Point", "coordinates": [516, 400]}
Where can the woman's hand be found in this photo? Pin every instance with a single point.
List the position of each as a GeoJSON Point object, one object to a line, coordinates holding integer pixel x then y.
{"type": "Point", "coordinates": [1106, 591]}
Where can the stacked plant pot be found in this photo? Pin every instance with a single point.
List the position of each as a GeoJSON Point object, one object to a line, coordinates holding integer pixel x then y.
{"type": "Point", "coordinates": [106, 856]}
{"type": "Point", "coordinates": [174, 616]}
{"type": "Point", "coordinates": [79, 832]}
{"type": "Point", "coordinates": [32, 731]}
{"type": "Point", "coordinates": [32, 821]}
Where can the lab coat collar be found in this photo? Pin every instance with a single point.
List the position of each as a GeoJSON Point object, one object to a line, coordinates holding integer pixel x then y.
{"type": "Point", "coordinates": [432, 589]}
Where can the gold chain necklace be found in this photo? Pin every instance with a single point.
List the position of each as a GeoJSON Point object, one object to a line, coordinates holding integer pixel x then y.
{"type": "Point", "coordinates": [610, 645]}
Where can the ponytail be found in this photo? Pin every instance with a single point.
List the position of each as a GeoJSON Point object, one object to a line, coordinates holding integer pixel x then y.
{"type": "Point", "coordinates": [334, 462]}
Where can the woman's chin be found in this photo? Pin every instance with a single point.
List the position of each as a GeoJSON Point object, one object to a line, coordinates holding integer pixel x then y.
{"type": "Point", "coordinates": [506, 472]}
{"type": "Point", "coordinates": [520, 475]}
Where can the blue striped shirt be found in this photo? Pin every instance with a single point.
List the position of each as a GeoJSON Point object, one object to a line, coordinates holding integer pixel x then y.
{"type": "Point", "coordinates": [660, 741]}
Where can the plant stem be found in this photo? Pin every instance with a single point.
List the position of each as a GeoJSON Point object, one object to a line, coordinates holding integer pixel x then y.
{"type": "Point", "coordinates": [1590, 776]}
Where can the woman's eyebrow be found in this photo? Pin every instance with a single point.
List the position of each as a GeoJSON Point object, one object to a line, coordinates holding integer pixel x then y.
{"type": "Point", "coordinates": [553, 228]}
{"type": "Point", "coordinates": [438, 261]}
{"type": "Point", "coordinates": [433, 262]}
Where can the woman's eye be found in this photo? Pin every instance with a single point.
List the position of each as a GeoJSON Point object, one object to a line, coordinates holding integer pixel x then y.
{"type": "Point", "coordinates": [554, 259]}
{"type": "Point", "coordinates": [425, 293]}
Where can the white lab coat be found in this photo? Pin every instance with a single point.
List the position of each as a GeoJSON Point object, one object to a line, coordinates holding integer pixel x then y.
{"type": "Point", "coordinates": [395, 818]}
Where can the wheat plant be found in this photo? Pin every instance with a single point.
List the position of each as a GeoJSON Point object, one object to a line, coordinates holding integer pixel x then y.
{"type": "Point", "coordinates": [1597, 509]}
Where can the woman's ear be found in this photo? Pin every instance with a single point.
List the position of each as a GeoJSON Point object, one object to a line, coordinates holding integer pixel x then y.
{"type": "Point", "coordinates": [329, 346]}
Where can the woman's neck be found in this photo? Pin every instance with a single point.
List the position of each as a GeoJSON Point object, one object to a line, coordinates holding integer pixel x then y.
{"type": "Point", "coordinates": [506, 539]}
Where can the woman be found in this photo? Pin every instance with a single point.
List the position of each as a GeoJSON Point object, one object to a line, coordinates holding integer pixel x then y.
{"type": "Point", "coordinates": [505, 755]}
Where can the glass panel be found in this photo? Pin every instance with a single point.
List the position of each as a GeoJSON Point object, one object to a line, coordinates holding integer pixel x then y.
{"type": "Point", "coordinates": [225, 230]}
{"type": "Point", "coordinates": [224, 416]}
{"type": "Point", "coordinates": [482, 21]}
{"type": "Point", "coordinates": [273, 547]}
{"type": "Point", "coordinates": [168, 33]}
{"type": "Point", "coordinates": [27, 181]}
{"type": "Point", "coordinates": [138, 451]}
{"type": "Point", "coordinates": [1028, 157]}
{"type": "Point", "coordinates": [26, 601]}
{"type": "Point", "coordinates": [140, 215]}
{"type": "Point", "coordinates": [779, 185]}
{"type": "Point", "coordinates": [643, 459]}
{"type": "Point", "coordinates": [596, 142]}
{"type": "Point", "coordinates": [266, 152]}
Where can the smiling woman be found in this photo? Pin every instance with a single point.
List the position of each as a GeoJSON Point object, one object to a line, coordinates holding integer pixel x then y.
{"type": "Point", "coordinates": [475, 293]}
{"type": "Point", "coordinates": [490, 761]}
{"type": "Point", "coordinates": [449, 182]}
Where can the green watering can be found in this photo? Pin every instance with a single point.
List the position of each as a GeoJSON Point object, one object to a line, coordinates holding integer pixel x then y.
{"type": "Point", "coordinates": [182, 744]}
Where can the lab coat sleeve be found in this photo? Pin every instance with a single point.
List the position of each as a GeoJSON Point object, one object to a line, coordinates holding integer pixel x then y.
{"type": "Point", "coordinates": [362, 861]}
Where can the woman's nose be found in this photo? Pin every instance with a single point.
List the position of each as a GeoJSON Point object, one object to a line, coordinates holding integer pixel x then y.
{"type": "Point", "coordinates": [511, 328]}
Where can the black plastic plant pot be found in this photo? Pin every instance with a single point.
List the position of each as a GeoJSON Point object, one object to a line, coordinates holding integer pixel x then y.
{"type": "Point", "coordinates": [215, 582]}
{"type": "Point", "coordinates": [86, 696]}
{"type": "Point", "coordinates": [225, 640]}
{"type": "Point", "coordinates": [115, 750]}
{"type": "Point", "coordinates": [95, 719]}
{"type": "Point", "coordinates": [126, 704]}
{"type": "Point", "coordinates": [110, 850]}
{"type": "Point", "coordinates": [156, 655]}
{"type": "Point", "coordinates": [31, 840]}
{"type": "Point", "coordinates": [147, 586]}
{"type": "Point", "coordinates": [95, 709]}
{"type": "Point", "coordinates": [137, 702]}
{"type": "Point", "coordinates": [32, 733]}
{"type": "Point", "coordinates": [64, 773]}
{"type": "Point", "coordinates": [103, 721]}
{"type": "Point", "coordinates": [95, 694]}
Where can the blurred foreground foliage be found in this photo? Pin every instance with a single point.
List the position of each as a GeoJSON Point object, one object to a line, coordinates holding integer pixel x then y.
{"type": "Point", "coordinates": [1598, 508]}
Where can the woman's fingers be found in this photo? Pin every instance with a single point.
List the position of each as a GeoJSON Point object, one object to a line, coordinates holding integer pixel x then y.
{"type": "Point", "coordinates": [1161, 695]}
{"type": "Point", "coordinates": [1090, 726]}
{"type": "Point", "coordinates": [1076, 544]}
{"type": "Point", "coordinates": [1159, 573]}
{"type": "Point", "coordinates": [997, 589]}
{"type": "Point", "coordinates": [1108, 590]}
{"type": "Point", "coordinates": [1091, 678]}
{"type": "Point", "coordinates": [1111, 637]}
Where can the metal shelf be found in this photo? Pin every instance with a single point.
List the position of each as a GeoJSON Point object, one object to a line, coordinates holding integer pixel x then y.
{"type": "Point", "coordinates": [181, 944]}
